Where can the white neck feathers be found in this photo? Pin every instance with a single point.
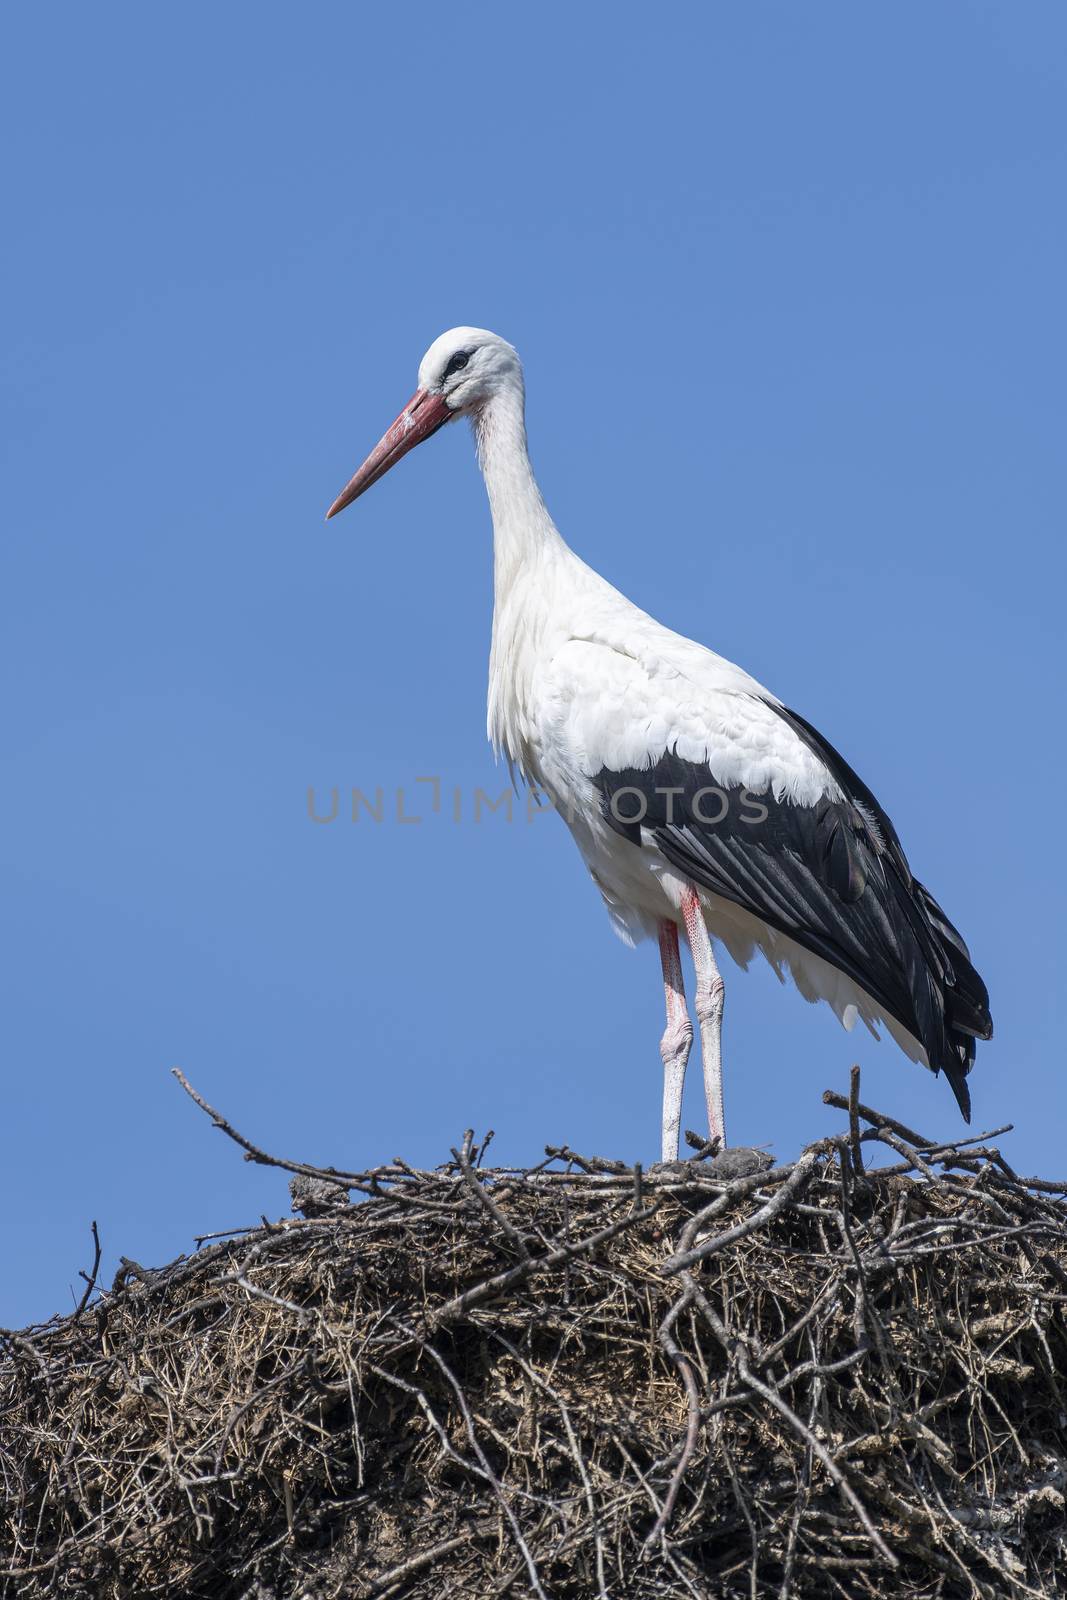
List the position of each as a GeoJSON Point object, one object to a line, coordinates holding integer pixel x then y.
{"type": "Point", "coordinates": [526, 553]}
{"type": "Point", "coordinates": [522, 527]}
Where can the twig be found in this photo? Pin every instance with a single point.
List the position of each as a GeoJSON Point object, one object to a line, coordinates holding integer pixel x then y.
{"type": "Point", "coordinates": [854, 1121]}
{"type": "Point", "coordinates": [413, 1564]}
{"type": "Point", "coordinates": [484, 1198]}
{"type": "Point", "coordinates": [90, 1276]}
{"type": "Point", "coordinates": [506, 1280]}
{"type": "Point", "coordinates": [878, 1119]}
{"type": "Point", "coordinates": [253, 1152]}
{"type": "Point", "coordinates": [818, 1449]}
{"type": "Point", "coordinates": [685, 1369]}
{"type": "Point", "coordinates": [778, 1203]}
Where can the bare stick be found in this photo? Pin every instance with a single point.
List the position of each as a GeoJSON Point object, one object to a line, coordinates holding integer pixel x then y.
{"type": "Point", "coordinates": [414, 1564]}
{"type": "Point", "coordinates": [854, 1121]}
{"type": "Point", "coordinates": [253, 1151]}
{"type": "Point", "coordinates": [817, 1448]}
{"type": "Point", "coordinates": [779, 1202]}
{"type": "Point", "coordinates": [505, 1280]}
{"type": "Point", "coordinates": [685, 1368]}
{"type": "Point", "coordinates": [484, 1198]}
{"type": "Point", "coordinates": [90, 1276]}
{"type": "Point", "coordinates": [878, 1119]}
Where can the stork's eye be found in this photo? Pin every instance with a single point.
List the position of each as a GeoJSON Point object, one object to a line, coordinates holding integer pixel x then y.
{"type": "Point", "coordinates": [457, 363]}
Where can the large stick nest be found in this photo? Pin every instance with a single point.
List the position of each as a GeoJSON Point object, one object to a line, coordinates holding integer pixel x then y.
{"type": "Point", "coordinates": [717, 1379]}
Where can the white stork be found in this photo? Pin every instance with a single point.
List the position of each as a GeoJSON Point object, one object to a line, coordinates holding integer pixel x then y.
{"type": "Point", "coordinates": [698, 800]}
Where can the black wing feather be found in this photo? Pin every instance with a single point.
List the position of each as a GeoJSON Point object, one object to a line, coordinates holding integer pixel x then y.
{"type": "Point", "coordinates": [969, 996]}
{"type": "Point", "coordinates": [833, 876]}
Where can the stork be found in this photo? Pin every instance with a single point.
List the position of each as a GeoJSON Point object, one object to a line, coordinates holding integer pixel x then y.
{"type": "Point", "coordinates": [700, 803]}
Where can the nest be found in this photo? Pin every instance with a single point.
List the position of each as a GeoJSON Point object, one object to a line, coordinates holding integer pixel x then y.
{"type": "Point", "coordinates": [719, 1378]}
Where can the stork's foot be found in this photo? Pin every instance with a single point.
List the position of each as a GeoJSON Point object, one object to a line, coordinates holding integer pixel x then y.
{"type": "Point", "coordinates": [703, 1147]}
{"type": "Point", "coordinates": [668, 1170]}
{"type": "Point", "coordinates": [739, 1162]}
{"type": "Point", "coordinates": [317, 1197]}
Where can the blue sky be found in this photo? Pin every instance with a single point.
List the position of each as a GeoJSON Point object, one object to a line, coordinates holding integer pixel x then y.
{"type": "Point", "coordinates": [788, 282]}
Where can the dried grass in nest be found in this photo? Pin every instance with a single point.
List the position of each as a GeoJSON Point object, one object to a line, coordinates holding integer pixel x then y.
{"type": "Point", "coordinates": [573, 1381]}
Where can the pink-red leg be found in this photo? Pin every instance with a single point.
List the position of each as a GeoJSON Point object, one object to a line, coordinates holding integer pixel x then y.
{"type": "Point", "coordinates": [708, 1002]}
{"type": "Point", "coordinates": [677, 1039]}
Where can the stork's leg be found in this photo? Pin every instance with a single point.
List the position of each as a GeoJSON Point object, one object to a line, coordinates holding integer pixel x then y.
{"type": "Point", "coordinates": [677, 1038]}
{"type": "Point", "coordinates": [710, 994]}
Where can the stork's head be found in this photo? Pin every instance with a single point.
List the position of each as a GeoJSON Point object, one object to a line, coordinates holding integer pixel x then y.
{"type": "Point", "coordinates": [459, 374]}
{"type": "Point", "coordinates": [468, 366]}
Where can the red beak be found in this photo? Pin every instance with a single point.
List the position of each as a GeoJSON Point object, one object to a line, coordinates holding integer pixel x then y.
{"type": "Point", "coordinates": [423, 415]}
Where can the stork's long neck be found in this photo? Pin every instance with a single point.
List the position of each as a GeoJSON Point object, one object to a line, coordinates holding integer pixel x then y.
{"type": "Point", "coordinates": [528, 553]}
{"type": "Point", "coordinates": [523, 531]}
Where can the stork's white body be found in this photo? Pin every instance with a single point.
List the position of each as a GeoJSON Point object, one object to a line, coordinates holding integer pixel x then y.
{"type": "Point", "coordinates": [588, 694]}
{"type": "Point", "coordinates": [581, 679]}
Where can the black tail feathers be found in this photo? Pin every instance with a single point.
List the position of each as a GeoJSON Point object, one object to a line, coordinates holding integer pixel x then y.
{"type": "Point", "coordinates": [963, 997]}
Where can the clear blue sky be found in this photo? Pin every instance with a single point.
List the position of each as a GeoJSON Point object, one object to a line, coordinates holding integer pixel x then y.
{"type": "Point", "coordinates": [789, 285]}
